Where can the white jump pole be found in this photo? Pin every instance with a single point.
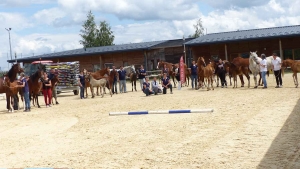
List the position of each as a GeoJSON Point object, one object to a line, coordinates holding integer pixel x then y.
{"type": "Point", "coordinates": [161, 112]}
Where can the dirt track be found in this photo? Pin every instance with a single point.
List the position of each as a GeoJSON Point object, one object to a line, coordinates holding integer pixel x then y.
{"type": "Point", "coordinates": [249, 128]}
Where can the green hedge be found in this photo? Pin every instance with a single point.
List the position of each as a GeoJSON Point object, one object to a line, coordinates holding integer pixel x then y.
{"type": "Point", "coordinates": [2, 73]}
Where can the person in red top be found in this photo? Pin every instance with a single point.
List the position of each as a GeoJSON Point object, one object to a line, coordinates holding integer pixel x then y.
{"type": "Point", "coordinates": [47, 89]}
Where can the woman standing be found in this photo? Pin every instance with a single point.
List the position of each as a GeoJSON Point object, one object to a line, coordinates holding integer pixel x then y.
{"type": "Point", "coordinates": [47, 89]}
{"type": "Point", "coordinates": [263, 70]}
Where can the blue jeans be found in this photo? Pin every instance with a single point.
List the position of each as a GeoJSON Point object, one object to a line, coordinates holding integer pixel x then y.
{"type": "Point", "coordinates": [27, 100]}
{"type": "Point", "coordinates": [194, 80]}
{"type": "Point", "coordinates": [114, 87]}
{"type": "Point", "coordinates": [147, 92]}
{"type": "Point", "coordinates": [82, 91]}
{"type": "Point", "coordinates": [122, 85]}
{"type": "Point", "coordinates": [263, 76]}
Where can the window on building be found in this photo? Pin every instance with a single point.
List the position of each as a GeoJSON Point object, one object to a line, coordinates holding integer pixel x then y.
{"type": "Point", "coordinates": [109, 65]}
{"type": "Point", "coordinates": [297, 54]}
{"type": "Point", "coordinates": [96, 67]}
{"type": "Point", "coordinates": [214, 57]}
{"type": "Point", "coordinates": [288, 54]}
{"type": "Point", "coordinates": [245, 55]}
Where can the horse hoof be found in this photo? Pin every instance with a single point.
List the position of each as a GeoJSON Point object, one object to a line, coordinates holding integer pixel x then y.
{"type": "Point", "coordinates": [242, 86]}
{"type": "Point", "coordinates": [39, 106]}
{"type": "Point", "coordinates": [255, 87]}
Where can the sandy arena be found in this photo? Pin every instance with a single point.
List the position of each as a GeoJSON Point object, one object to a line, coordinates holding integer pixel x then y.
{"type": "Point", "coordinates": [249, 128]}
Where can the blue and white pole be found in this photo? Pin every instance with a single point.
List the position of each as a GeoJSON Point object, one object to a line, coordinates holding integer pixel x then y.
{"type": "Point", "coordinates": [161, 112]}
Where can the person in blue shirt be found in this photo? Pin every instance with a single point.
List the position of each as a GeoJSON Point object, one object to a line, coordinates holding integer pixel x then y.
{"type": "Point", "coordinates": [122, 79]}
{"type": "Point", "coordinates": [194, 74]}
{"type": "Point", "coordinates": [166, 84]}
{"type": "Point", "coordinates": [25, 92]}
{"type": "Point", "coordinates": [82, 84]}
{"type": "Point", "coordinates": [142, 74]}
{"type": "Point", "coordinates": [146, 87]}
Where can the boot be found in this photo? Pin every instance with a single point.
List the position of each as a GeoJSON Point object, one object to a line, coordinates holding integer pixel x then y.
{"type": "Point", "coordinates": [57, 102]}
{"type": "Point", "coordinates": [29, 109]}
{"type": "Point", "coordinates": [26, 109]}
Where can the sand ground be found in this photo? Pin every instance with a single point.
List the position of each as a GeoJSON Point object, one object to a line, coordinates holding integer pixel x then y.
{"type": "Point", "coordinates": [249, 128]}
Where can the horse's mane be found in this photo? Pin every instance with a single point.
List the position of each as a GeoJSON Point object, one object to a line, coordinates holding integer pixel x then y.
{"type": "Point", "coordinates": [34, 76]}
{"type": "Point", "coordinates": [10, 74]}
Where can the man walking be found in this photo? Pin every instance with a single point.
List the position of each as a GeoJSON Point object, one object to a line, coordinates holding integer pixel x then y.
{"type": "Point", "coordinates": [82, 84]}
{"type": "Point", "coordinates": [277, 70]}
{"type": "Point", "coordinates": [122, 79]}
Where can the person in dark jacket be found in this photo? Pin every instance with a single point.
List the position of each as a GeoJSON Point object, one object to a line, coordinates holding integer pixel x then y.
{"type": "Point", "coordinates": [115, 82]}
{"type": "Point", "coordinates": [82, 84]}
{"type": "Point", "coordinates": [122, 79]}
{"type": "Point", "coordinates": [54, 92]}
{"type": "Point", "coordinates": [166, 84]}
{"type": "Point", "coordinates": [146, 87]}
{"type": "Point", "coordinates": [142, 74]}
{"type": "Point", "coordinates": [222, 73]}
{"type": "Point", "coordinates": [194, 74]}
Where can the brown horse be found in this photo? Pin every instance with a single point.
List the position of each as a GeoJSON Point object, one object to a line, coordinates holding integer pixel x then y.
{"type": "Point", "coordinates": [133, 77]}
{"type": "Point", "coordinates": [96, 75]}
{"type": "Point", "coordinates": [11, 77]}
{"type": "Point", "coordinates": [205, 72]}
{"type": "Point", "coordinates": [12, 90]}
{"type": "Point", "coordinates": [235, 71]}
{"type": "Point", "coordinates": [35, 86]}
{"type": "Point", "coordinates": [295, 66]}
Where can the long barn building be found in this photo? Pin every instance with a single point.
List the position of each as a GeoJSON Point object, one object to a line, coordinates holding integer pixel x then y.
{"type": "Point", "coordinates": [285, 41]}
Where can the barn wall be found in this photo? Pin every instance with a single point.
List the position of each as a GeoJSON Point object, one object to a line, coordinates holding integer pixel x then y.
{"type": "Point", "coordinates": [290, 46]}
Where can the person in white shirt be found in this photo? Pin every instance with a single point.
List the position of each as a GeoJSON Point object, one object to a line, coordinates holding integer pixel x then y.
{"type": "Point", "coordinates": [263, 70]}
{"type": "Point", "coordinates": [155, 86]}
{"type": "Point", "coordinates": [277, 69]}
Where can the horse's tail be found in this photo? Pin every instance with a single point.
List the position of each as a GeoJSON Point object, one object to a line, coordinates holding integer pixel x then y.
{"type": "Point", "coordinates": [268, 73]}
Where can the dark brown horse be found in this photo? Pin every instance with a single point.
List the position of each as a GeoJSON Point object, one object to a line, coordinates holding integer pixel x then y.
{"type": "Point", "coordinates": [133, 76]}
{"type": "Point", "coordinates": [35, 86]}
{"type": "Point", "coordinates": [11, 78]}
{"type": "Point", "coordinates": [12, 90]}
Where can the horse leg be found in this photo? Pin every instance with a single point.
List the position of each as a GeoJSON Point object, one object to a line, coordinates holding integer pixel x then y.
{"type": "Point", "coordinates": [296, 78]}
{"type": "Point", "coordinates": [11, 104]}
{"type": "Point", "coordinates": [212, 83]}
{"type": "Point", "coordinates": [92, 90]}
{"type": "Point", "coordinates": [248, 78]}
{"type": "Point", "coordinates": [37, 101]}
{"type": "Point", "coordinates": [98, 91]}
{"type": "Point", "coordinates": [242, 80]}
{"type": "Point", "coordinates": [135, 85]}
{"type": "Point", "coordinates": [132, 86]}
{"type": "Point", "coordinates": [255, 80]}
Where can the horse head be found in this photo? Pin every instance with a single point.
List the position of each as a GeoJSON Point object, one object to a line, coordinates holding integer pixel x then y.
{"type": "Point", "coordinates": [202, 61]}
{"type": "Point", "coordinates": [133, 69]}
{"type": "Point", "coordinates": [254, 57]}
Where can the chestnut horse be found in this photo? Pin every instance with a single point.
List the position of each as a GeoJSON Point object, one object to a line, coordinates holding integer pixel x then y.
{"type": "Point", "coordinates": [35, 86]}
{"type": "Point", "coordinates": [97, 75]}
{"type": "Point", "coordinates": [235, 71]}
{"type": "Point", "coordinates": [205, 72]}
{"type": "Point", "coordinates": [295, 66]}
{"type": "Point", "coordinates": [10, 77]}
{"type": "Point", "coordinates": [12, 91]}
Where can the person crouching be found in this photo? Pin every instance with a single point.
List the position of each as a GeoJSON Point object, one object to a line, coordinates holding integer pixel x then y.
{"type": "Point", "coordinates": [166, 84]}
{"type": "Point", "coordinates": [146, 87]}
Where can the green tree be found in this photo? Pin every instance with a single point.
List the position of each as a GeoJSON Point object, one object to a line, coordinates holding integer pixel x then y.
{"type": "Point", "coordinates": [88, 31]}
{"type": "Point", "coordinates": [199, 30]}
{"type": "Point", "coordinates": [104, 35]}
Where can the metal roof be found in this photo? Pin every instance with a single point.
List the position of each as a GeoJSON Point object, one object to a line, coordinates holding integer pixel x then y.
{"type": "Point", "coordinates": [240, 35]}
{"type": "Point", "coordinates": [171, 43]}
{"type": "Point", "coordinates": [93, 50]}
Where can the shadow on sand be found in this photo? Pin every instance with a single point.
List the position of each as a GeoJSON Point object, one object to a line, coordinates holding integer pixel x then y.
{"type": "Point", "coordinates": [284, 151]}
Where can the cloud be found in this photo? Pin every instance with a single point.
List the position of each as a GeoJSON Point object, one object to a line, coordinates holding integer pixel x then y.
{"type": "Point", "coordinates": [228, 4]}
{"type": "Point", "coordinates": [22, 3]}
{"type": "Point", "coordinates": [15, 21]}
{"type": "Point", "coordinates": [136, 9]}
{"type": "Point", "coordinates": [49, 16]}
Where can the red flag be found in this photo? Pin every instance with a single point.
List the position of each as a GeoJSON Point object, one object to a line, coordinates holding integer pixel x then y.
{"type": "Point", "coordinates": [182, 71]}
